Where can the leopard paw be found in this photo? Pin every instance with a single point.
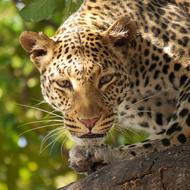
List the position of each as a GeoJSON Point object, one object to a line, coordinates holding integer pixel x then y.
{"type": "Point", "coordinates": [86, 159]}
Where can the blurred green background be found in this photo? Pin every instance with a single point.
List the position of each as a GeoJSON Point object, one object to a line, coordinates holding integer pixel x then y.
{"type": "Point", "coordinates": [32, 157]}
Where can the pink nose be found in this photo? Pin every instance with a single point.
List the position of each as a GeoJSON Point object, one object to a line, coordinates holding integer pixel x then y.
{"type": "Point", "coordinates": [89, 123]}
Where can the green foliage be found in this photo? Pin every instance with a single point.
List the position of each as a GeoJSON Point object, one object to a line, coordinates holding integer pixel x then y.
{"type": "Point", "coordinates": [22, 165]}
{"type": "Point", "coordinates": [44, 9]}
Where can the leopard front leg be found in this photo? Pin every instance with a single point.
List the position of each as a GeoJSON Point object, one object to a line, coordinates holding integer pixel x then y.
{"type": "Point", "coordinates": [90, 158]}
{"type": "Point", "coordinates": [80, 159]}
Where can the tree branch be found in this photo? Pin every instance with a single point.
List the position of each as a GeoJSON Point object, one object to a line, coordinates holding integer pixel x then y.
{"type": "Point", "coordinates": [165, 170]}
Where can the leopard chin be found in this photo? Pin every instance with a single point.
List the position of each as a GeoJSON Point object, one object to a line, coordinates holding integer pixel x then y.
{"type": "Point", "coordinates": [89, 141]}
{"type": "Point", "coordinates": [91, 135]}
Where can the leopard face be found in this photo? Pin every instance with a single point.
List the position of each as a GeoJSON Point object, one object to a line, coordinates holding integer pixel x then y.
{"type": "Point", "coordinates": [82, 77]}
{"type": "Point", "coordinates": [85, 85]}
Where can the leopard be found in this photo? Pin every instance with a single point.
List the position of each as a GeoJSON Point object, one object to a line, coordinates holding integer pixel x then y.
{"type": "Point", "coordinates": [118, 61]}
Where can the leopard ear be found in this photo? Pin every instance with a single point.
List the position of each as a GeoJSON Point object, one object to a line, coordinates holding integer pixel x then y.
{"type": "Point", "coordinates": [39, 46]}
{"type": "Point", "coordinates": [122, 29]}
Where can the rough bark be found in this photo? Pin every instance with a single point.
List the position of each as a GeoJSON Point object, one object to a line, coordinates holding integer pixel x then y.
{"type": "Point", "coordinates": [165, 170]}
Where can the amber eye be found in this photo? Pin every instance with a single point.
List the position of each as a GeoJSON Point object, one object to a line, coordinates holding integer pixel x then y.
{"type": "Point", "coordinates": [64, 84]}
{"type": "Point", "coordinates": [105, 79]}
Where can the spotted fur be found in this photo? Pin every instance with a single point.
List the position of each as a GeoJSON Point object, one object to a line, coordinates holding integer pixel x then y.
{"type": "Point", "coordinates": [119, 61]}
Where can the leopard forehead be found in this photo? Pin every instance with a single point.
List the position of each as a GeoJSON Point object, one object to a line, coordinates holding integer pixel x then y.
{"type": "Point", "coordinates": [81, 55]}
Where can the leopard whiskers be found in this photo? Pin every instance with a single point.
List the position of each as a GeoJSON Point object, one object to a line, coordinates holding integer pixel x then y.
{"type": "Point", "coordinates": [62, 145]}
{"type": "Point", "coordinates": [40, 103]}
{"type": "Point", "coordinates": [42, 110]}
{"type": "Point", "coordinates": [123, 130]}
{"type": "Point", "coordinates": [49, 135]}
{"type": "Point", "coordinates": [41, 127]}
{"type": "Point", "coordinates": [149, 97]}
{"type": "Point", "coordinates": [52, 143]}
{"type": "Point", "coordinates": [64, 140]}
{"type": "Point", "coordinates": [143, 111]}
{"type": "Point", "coordinates": [53, 111]}
{"type": "Point", "coordinates": [40, 121]}
{"type": "Point", "coordinates": [109, 134]}
{"type": "Point", "coordinates": [120, 129]}
{"type": "Point", "coordinates": [132, 131]}
{"type": "Point", "coordinates": [52, 134]}
{"type": "Point", "coordinates": [52, 119]}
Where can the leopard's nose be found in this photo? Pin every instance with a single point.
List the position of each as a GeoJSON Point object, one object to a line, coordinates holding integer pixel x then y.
{"type": "Point", "coordinates": [89, 123]}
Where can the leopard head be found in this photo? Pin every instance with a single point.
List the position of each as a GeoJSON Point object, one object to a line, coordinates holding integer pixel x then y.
{"type": "Point", "coordinates": [83, 74]}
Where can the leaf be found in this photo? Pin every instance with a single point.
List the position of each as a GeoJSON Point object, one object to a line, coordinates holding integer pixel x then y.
{"type": "Point", "coordinates": [38, 10]}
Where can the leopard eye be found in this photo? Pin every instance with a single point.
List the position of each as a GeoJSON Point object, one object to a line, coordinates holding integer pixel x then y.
{"type": "Point", "coordinates": [64, 84]}
{"type": "Point", "coordinates": [105, 79]}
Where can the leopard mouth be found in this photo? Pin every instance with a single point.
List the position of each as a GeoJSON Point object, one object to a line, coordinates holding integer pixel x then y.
{"type": "Point", "coordinates": [91, 135]}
